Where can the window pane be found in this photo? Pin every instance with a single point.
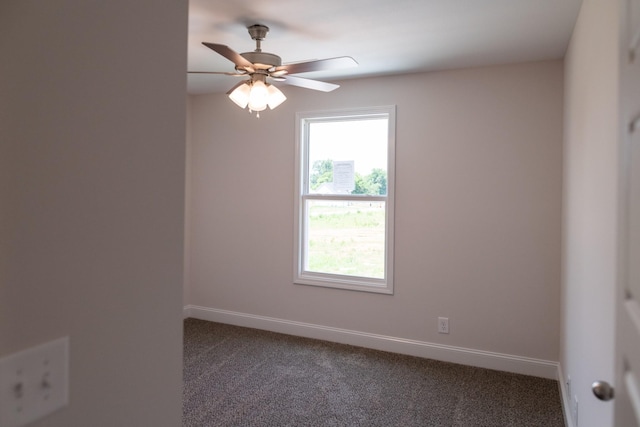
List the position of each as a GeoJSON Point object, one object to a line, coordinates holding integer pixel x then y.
{"type": "Point", "coordinates": [346, 238]}
{"type": "Point", "coordinates": [348, 157]}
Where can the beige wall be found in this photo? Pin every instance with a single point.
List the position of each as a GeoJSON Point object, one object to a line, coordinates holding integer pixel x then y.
{"type": "Point", "coordinates": [92, 130]}
{"type": "Point", "coordinates": [590, 186]}
{"type": "Point", "coordinates": [478, 196]}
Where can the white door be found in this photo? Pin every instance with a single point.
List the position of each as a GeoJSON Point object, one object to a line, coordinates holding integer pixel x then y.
{"type": "Point", "coordinates": [627, 401]}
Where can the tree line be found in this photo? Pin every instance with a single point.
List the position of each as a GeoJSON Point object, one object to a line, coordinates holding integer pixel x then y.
{"type": "Point", "coordinates": [374, 183]}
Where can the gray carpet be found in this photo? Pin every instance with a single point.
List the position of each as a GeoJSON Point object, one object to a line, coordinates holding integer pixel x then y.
{"type": "Point", "coordinates": [237, 376]}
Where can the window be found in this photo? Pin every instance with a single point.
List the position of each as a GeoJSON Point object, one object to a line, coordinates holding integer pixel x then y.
{"type": "Point", "coordinates": [344, 199]}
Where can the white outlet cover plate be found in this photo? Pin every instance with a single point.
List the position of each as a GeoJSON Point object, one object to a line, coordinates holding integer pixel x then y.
{"type": "Point", "coordinates": [443, 325]}
{"type": "Point", "coordinates": [34, 383]}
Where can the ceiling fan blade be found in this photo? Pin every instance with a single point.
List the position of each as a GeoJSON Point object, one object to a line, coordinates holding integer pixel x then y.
{"type": "Point", "coordinates": [309, 84]}
{"type": "Point", "coordinates": [231, 55]}
{"type": "Point", "coordinates": [319, 65]}
{"type": "Point", "coordinates": [217, 72]}
{"type": "Point", "coordinates": [278, 73]}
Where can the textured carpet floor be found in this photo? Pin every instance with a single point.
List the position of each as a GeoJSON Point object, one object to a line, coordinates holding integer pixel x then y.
{"type": "Point", "coordinates": [237, 376]}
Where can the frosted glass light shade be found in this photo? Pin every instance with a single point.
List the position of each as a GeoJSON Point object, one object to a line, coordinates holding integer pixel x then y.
{"type": "Point", "coordinates": [276, 97]}
{"type": "Point", "coordinates": [240, 95]}
{"type": "Point", "coordinates": [258, 96]}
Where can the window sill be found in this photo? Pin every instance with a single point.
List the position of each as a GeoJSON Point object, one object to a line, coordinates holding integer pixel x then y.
{"type": "Point", "coordinates": [361, 284]}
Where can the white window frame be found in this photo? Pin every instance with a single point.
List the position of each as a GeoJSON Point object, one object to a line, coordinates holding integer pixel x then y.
{"type": "Point", "coordinates": [357, 283]}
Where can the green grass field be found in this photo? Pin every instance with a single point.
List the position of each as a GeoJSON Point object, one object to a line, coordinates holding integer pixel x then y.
{"type": "Point", "coordinates": [347, 239]}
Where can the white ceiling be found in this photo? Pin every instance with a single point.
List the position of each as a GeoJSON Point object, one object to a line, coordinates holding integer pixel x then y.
{"type": "Point", "coordinates": [383, 36]}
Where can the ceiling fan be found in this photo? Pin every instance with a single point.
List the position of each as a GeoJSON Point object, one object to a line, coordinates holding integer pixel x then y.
{"type": "Point", "coordinates": [256, 92]}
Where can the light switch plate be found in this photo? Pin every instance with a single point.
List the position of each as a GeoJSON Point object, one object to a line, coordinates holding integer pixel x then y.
{"type": "Point", "coordinates": [34, 383]}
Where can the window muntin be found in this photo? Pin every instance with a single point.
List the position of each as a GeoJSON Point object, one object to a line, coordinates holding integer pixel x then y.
{"type": "Point", "coordinates": [344, 199]}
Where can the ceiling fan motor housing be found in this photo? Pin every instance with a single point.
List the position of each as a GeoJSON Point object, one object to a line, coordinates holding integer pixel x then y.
{"type": "Point", "coordinates": [262, 60]}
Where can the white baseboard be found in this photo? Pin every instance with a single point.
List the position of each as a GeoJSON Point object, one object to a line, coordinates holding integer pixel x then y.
{"type": "Point", "coordinates": [464, 356]}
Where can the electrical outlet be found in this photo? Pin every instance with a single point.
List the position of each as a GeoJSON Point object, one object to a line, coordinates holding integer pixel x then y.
{"type": "Point", "coordinates": [34, 383]}
{"type": "Point", "coordinates": [443, 325]}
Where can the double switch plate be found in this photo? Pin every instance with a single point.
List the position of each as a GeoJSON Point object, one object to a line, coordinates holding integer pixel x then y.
{"type": "Point", "coordinates": [34, 383]}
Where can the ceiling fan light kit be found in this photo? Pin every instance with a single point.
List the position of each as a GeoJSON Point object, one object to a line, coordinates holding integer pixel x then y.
{"type": "Point", "coordinates": [256, 93]}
